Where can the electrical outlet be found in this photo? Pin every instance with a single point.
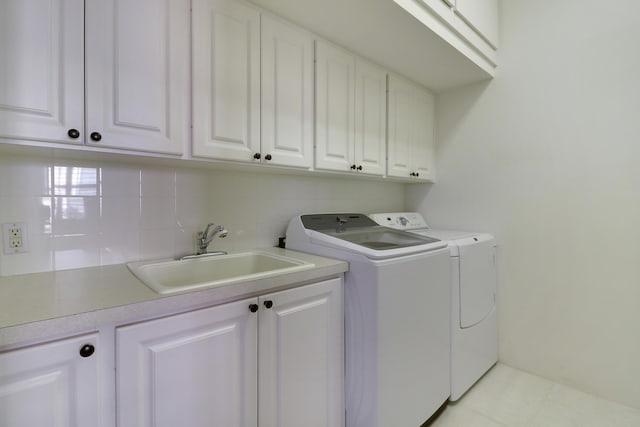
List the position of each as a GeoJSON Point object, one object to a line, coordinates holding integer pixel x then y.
{"type": "Point", "coordinates": [14, 236]}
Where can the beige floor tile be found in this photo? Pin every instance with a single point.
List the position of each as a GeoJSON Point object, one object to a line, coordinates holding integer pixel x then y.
{"type": "Point", "coordinates": [508, 396]}
{"type": "Point", "coordinates": [566, 407]}
{"type": "Point", "coordinates": [459, 416]}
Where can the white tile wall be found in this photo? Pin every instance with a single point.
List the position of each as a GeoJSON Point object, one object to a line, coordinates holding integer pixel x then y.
{"type": "Point", "coordinates": [81, 213]}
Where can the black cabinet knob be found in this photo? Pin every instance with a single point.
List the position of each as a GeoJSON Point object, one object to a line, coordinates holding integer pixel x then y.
{"type": "Point", "coordinates": [87, 350]}
{"type": "Point", "coordinates": [359, 168]}
{"type": "Point", "coordinates": [74, 133]}
{"type": "Point", "coordinates": [253, 308]}
{"type": "Point", "coordinates": [95, 136]}
{"type": "Point", "coordinates": [257, 156]}
{"type": "Point", "coordinates": [268, 157]}
{"type": "Point", "coordinates": [353, 167]}
{"type": "Point", "coordinates": [268, 303]}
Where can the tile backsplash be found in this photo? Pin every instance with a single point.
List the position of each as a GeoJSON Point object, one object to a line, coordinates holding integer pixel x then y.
{"type": "Point", "coordinates": [83, 213]}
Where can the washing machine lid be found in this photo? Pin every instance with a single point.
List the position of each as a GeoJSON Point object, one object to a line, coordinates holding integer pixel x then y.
{"type": "Point", "coordinates": [358, 233]}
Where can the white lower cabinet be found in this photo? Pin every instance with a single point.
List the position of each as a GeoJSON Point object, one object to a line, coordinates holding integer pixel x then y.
{"type": "Point", "coordinates": [195, 369]}
{"type": "Point", "coordinates": [275, 360]}
{"type": "Point", "coordinates": [51, 385]}
{"type": "Point", "coordinates": [301, 350]}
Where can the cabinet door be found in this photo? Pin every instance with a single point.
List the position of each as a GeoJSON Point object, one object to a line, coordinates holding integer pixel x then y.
{"type": "Point", "coordinates": [137, 60]}
{"type": "Point", "coordinates": [50, 385]}
{"type": "Point", "coordinates": [482, 16]}
{"type": "Point", "coordinates": [443, 8]}
{"type": "Point", "coordinates": [423, 135]}
{"type": "Point", "coordinates": [287, 94]}
{"type": "Point", "coordinates": [301, 357]}
{"type": "Point", "coordinates": [371, 118]}
{"type": "Point", "coordinates": [226, 80]}
{"type": "Point", "coordinates": [335, 112]}
{"type": "Point", "coordinates": [42, 70]}
{"type": "Point", "coordinates": [196, 369]}
{"type": "Point", "coordinates": [411, 131]}
{"type": "Point", "coordinates": [400, 137]}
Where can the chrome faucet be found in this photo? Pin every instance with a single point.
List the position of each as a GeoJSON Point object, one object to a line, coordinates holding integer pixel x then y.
{"type": "Point", "coordinates": [342, 224]}
{"type": "Point", "coordinates": [204, 238]}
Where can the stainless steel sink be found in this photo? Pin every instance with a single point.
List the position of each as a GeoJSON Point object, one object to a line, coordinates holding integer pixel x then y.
{"type": "Point", "coordinates": [169, 276]}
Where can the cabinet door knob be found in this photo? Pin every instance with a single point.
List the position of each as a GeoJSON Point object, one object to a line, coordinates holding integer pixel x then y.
{"type": "Point", "coordinates": [95, 136]}
{"type": "Point", "coordinates": [268, 157]}
{"type": "Point", "coordinates": [268, 303]}
{"type": "Point", "coordinates": [353, 167]}
{"type": "Point", "coordinates": [87, 350]}
{"type": "Point", "coordinates": [73, 133]}
{"type": "Point", "coordinates": [257, 156]}
{"type": "Point", "coordinates": [253, 308]}
{"type": "Point", "coordinates": [359, 168]}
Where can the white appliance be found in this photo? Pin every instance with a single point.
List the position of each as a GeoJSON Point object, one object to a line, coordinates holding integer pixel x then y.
{"type": "Point", "coordinates": [396, 316]}
{"type": "Point", "coordinates": [474, 332]}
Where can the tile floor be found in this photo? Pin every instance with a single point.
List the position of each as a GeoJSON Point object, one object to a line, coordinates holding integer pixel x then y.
{"type": "Point", "coordinates": [507, 397]}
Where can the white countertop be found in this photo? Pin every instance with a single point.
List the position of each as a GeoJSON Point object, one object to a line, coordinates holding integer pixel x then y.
{"type": "Point", "coordinates": [39, 306]}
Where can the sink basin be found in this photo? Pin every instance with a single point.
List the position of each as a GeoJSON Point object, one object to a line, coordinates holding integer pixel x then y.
{"type": "Point", "coordinates": [169, 276]}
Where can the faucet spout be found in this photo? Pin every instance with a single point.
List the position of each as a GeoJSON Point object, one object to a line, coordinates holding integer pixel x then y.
{"type": "Point", "coordinates": [204, 237]}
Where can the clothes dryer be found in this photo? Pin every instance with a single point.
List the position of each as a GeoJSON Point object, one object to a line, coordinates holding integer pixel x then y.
{"type": "Point", "coordinates": [474, 336]}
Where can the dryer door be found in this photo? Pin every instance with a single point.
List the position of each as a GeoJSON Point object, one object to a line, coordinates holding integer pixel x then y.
{"type": "Point", "coordinates": [478, 279]}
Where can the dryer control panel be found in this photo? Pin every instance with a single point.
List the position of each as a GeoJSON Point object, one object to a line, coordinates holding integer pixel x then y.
{"type": "Point", "coordinates": [400, 220]}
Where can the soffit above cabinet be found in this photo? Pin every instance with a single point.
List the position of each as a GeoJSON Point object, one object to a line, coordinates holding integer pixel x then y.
{"type": "Point", "coordinates": [386, 33]}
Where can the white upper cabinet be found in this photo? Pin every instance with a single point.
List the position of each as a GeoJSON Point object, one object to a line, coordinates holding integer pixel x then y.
{"type": "Point", "coordinates": [371, 118]}
{"type": "Point", "coordinates": [350, 112]}
{"type": "Point", "coordinates": [42, 70]}
{"type": "Point", "coordinates": [137, 70]}
{"type": "Point", "coordinates": [226, 80]}
{"type": "Point", "coordinates": [424, 40]}
{"type": "Point", "coordinates": [51, 385]}
{"type": "Point", "coordinates": [335, 107]}
{"type": "Point", "coordinates": [252, 86]}
{"type": "Point", "coordinates": [136, 75]}
{"type": "Point", "coordinates": [471, 26]}
{"type": "Point", "coordinates": [424, 135]}
{"type": "Point", "coordinates": [411, 131]}
{"type": "Point", "coordinates": [482, 16]}
{"type": "Point", "coordinates": [287, 94]}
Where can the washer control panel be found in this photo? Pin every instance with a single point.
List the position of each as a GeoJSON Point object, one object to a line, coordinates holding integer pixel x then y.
{"type": "Point", "coordinates": [400, 220]}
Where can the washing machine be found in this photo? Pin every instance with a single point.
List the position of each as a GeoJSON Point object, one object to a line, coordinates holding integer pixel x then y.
{"type": "Point", "coordinates": [474, 334]}
{"type": "Point", "coordinates": [397, 338]}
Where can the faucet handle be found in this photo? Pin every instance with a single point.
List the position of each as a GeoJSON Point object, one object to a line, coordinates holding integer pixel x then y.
{"type": "Point", "coordinates": [342, 222]}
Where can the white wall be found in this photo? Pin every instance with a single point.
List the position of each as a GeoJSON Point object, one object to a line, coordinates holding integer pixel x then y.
{"type": "Point", "coordinates": [83, 213]}
{"type": "Point", "coordinates": [547, 157]}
